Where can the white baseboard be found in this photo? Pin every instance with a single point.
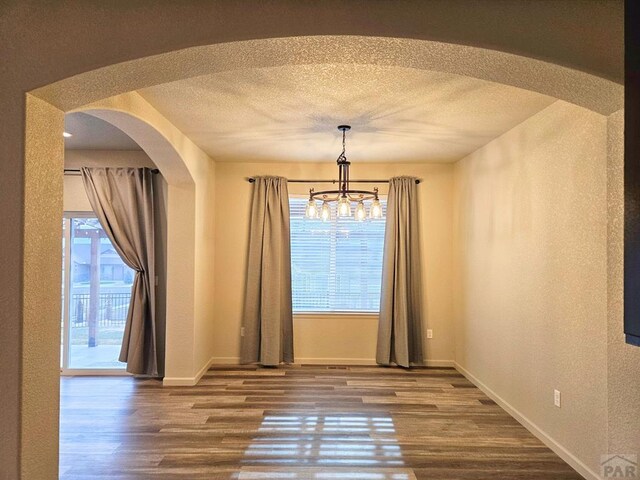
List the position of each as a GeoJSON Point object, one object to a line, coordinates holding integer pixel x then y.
{"type": "Point", "coordinates": [225, 360]}
{"type": "Point", "coordinates": [304, 360]}
{"type": "Point", "coordinates": [440, 363]}
{"type": "Point", "coordinates": [330, 361]}
{"type": "Point", "coordinates": [187, 381]}
{"type": "Point", "coordinates": [178, 381]}
{"type": "Point", "coordinates": [560, 450]}
{"type": "Point", "coordinates": [335, 361]}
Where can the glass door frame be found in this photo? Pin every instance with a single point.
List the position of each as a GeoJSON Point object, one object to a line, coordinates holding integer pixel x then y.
{"type": "Point", "coordinates": [66, 306]}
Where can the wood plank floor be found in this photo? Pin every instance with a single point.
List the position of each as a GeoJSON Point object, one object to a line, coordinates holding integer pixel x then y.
{"type": "Point", "coordinates": [295, 423]}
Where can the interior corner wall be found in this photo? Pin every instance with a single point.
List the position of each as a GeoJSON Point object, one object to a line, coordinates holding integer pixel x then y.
{"type": "Point", "coordinates": [204, 174]}
{"type": "Point", "coordinates": [333, 338]}
{"type": "Point", "coordinates": [180, 308]}
{"type": "Point", "coordinates": [531, 276]}
{"type": "Point", "coordinates": [623, 359]}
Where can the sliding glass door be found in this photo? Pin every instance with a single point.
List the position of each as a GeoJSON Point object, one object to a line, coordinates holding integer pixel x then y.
{"type": "Point", "coordinates": [96, 290]}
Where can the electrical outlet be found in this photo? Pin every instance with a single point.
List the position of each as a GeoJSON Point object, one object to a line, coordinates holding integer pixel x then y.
{"type": "Point", "coordinates": [429, 333]}
{"type": "Point", "coordinates": [242, 331]}
{"type": "Point", "coordinates": [556, 398]}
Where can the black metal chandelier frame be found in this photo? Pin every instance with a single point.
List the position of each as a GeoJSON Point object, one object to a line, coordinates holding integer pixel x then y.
{"type": "Point", "coordinates": [343, 180]}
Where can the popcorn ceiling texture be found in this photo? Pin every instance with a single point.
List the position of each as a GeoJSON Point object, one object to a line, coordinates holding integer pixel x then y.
{"type": "Point", "coordinates": [289, 113]}
{"type": "Point", "coordinates": [595, 93]}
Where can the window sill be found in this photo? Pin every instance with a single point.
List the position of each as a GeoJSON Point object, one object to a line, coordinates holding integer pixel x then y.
{"type": "Point", "coordinates": [336, 314]}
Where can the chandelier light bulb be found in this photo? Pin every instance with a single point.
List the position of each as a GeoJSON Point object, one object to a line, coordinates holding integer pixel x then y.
{"type": "Point", "coordinates": [361, 213]}
{"type": "Point", "coordinates": [312, 210]}
{"type": "Point", "coordinates": [376, 209]}
{"type": "Point", "coordinates": [325, 212]}
{"type": "Point", "coordinates": [343, 194]}
{"type": "Point", "coordinates": [344, 207]}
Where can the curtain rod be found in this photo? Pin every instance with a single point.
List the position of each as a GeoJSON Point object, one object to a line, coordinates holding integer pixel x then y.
{"type": "Point", "coordinates": [252, 180]}
{"type": "Point", "coordinates": [76, 171]}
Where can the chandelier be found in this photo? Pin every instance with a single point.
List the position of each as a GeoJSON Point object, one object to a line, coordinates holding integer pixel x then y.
{"type": "Point", "coordinates": [344, 196]}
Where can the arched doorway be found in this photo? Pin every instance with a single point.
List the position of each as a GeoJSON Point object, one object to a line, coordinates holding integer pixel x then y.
{"type": "Point", "coordinates": [43, 115]}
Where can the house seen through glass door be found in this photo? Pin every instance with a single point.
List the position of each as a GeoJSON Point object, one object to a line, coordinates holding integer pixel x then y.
{"type": "Point", "coordinates": [95, 297]}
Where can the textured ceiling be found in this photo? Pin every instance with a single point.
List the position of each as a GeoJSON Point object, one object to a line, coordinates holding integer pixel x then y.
{"type": "Point", "coordinates": [290, 113]}
{"type": "Point", "coordinates": [91, 133]}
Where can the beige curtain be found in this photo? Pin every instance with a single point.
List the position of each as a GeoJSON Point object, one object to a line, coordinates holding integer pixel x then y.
{"type": "Point", "coordinates": [122, 199]}
{"type": "Point", "coordinates": [400, 324]}
{"type": "Point", "coordinates": [268, 320]}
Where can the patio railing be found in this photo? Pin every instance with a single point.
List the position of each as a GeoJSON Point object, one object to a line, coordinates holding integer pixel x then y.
{"type": "Point", "coordinates": [112, 309]}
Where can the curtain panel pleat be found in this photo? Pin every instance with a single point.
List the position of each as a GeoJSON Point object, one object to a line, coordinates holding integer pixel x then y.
{"type": "Point", "coordinates": [122, 199]}
{"type": "Point", "coordinates": [267, 315]}
{"type": "Point", "coordinates": [400, 322]}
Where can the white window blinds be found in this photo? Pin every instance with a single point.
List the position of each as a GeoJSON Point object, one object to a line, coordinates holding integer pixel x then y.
{"type": "Point", "coordinates": [336, 266]}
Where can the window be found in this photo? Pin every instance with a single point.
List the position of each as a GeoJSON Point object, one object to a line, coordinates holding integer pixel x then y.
{"type": "Point", "coordinates": [96, 292]}
{"type": "Point", "coordinates": [336, 266]}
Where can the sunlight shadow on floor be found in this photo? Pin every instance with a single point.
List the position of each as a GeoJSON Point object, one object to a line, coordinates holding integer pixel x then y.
{"type": "Point", "coordinates": [350, 446]}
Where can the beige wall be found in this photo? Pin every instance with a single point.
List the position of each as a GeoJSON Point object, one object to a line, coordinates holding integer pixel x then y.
{"type": "Point", "coordinates": [623, 360]}
{"type": "Point", "coordinates": [39, 297]}
{"type": "Point", "coordinates": [332, 338]}
{"type": "Point", "coordinates": [204, 174]}
{"type": "Point", "coordinates": [531, 274]}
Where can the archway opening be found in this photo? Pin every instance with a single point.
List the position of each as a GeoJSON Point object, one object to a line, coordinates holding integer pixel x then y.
{"type": "Point", "coordinates": [89, 89]}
